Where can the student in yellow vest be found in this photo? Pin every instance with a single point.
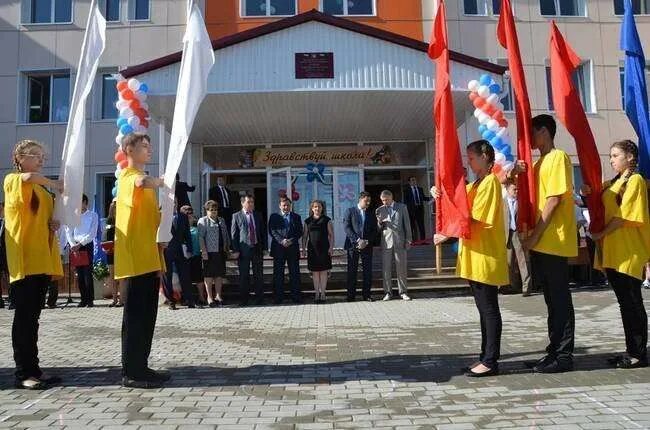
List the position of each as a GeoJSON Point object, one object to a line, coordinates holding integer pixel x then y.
{"type": "Point", "coordinates": [137, 262]}
{"type": "Point", "coordinates": [625, 247]}
{"type": "Point", "coordinates": [551, 243]}
{"type": "Point", "coordinates": [32, 256]}
{"type": "Point", "coordinates": [480, 260]}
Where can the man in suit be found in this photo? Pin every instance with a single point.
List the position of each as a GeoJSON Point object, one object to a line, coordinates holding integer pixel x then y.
{"type": "Point", "coordinates": [177, 253]}
{"type": "Point", "coordinates": [415, 200]}
{"type": "Point", "coordinates": [249, 240]}
{"type": "Point", "coordinates": [361, 235]}
{"type": "Point", "coordinates": [222, 195]}
{"type": "Point", "coordinates": [180, 191]}
{"type": "Point", "coordinates": [518, 260]}
{"type": "Point", "coordinates": [285, 229]}
{"type": "Point", "coordinates": [396, 239]}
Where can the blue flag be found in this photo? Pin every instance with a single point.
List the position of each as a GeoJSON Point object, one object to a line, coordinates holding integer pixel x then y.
{"type": "Point", "coordinates": [98, 252]}
{"type": "Point", "coordinates": [635, 93]}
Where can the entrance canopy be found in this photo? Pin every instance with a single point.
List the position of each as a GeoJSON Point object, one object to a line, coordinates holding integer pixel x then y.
{"type": "Point", "coordinates": [313, 77]}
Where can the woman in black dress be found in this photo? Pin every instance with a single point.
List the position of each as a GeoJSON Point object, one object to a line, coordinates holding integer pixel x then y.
{"type": "Point", "coordinates": [318, 241]}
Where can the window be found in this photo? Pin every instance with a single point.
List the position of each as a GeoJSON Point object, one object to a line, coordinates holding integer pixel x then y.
{"type": "Point", "coordinates": [507, 100]}
{"type": "Point", "coordinates": [348, 7]}
{"type": "Point", "coordinates": [48, 97]}
{"type": "Point", "coordinates": [582, 81]}
{"type": "Point", "coordinates": [110, 9]}
{"type": "Point", "coordinates": [482, 7]}
{"type": "Point", "coordinates": [109, 97]}
{"type": "Point", "coordinates": [621, 74]}
{"type": "Point", "coordinates": [563, 7]}
{"type": "Point", "coordinates": [138, 10]}
{"type": "Point", "coordinates": [46, 11]}
{"type": "Point", "coordinates": [639, 7]}
{"type": "Point", "coordinates": [268, 7]}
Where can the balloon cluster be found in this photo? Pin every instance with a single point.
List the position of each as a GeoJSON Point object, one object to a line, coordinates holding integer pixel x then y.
{"type": "Point", "coordinates": [133, 116]}
{"type": "Point", "coordinates": [485, 95]}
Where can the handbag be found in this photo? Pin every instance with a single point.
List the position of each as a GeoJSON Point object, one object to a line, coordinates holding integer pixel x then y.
{"type": "Point", "coordinates": [79, 258]}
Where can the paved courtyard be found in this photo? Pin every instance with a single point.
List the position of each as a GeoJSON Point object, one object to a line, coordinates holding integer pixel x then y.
{"type": "Point", "coordinates": [340, 365]}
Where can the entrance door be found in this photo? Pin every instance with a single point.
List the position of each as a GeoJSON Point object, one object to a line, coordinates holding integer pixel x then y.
{"type": "Point", "coordinates": [278, 182]}
{"type": "Point", "coordinates": [348, 183]}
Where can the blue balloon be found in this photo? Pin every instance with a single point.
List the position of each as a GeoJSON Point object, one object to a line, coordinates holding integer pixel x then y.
{"type": "Point", "coordinates": [485, 79]}
{"type": "Point", "coordinates": [496, 142]}
{"type": "Point", "coordinates": [482, 128]}
{"type": "Point", "coordinates": [114, 191]}
{"type": "Point", "coordinates": [488, 135]}
{"type": "Point", "coordinates": [506, 151]}
{"type": "Point", "coordinates": [510, 157]}
{"type": "Point", "coordinates": [126, 129]}
{"type": "Point", "coordinates": [495, 89]}
{"type": "Point", "coordinates": [144, 88]}
{"type": "Point", "coordinates": [121, 121]}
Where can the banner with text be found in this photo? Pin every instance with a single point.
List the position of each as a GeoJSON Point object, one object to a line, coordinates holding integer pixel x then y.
{"type": "Point", "coordinates": [332, 156]}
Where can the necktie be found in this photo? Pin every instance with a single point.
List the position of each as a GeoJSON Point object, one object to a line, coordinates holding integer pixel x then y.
{"type": "Point", "coordinates": [417, 196]}
{"type": "Point", "coordinates": [363, 221]}
{"type": "Point", "coordinates": [252, 237]}
{"type": "Point", "coordinates": [224, 196]}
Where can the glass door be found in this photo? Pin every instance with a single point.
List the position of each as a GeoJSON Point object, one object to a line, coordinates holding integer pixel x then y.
{"type": "Point", "coordinates": [348, 183]}
{"type": "Point", "coordinates": [278, 183]}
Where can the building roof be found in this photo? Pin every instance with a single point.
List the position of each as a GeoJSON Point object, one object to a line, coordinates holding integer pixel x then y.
{"type": "Point", "coordinates": [312, 15]}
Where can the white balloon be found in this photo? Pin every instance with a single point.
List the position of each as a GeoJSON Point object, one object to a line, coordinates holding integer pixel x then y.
{"type": "Point", "coordinates": [126, 112]}
{"type": "Point", "coordinates": [118, 139]}
{"type": "Point", "coordinates": [508, 166]}
{"type": "Point", "coordinates": [492, 125]}
{"type": "Point", "coordinates": [502, 132]}
{"type": "Point", "coordinates": [500, 106]}
{"type": "Point", "coordinates": [145, 106]}
{"type": "Point", "coordinates": [141, 96]}
{"type": "Point", "coordinates": [134, 121]}
{"type": "Point", "coordinates": [483, 118]}
{"type": "Point", "coordinates": [117, 172]}
{"type": "Point", "coordinates": [121, 104]}
{"type": "Point", "coordinates": [141, 129]}
{"type": "Point", "coordinates": [499, 158]}
{"type": "Point", "coordinates": [493, 99]}
{"type": "Point", "coordinates": [477, 113]}
{"type": "Point", "coordinates": [473, 85]}
{"type": "Point", "coordinates": [483, 91]}
{"type": "Point", "coordinates": [133, 84]}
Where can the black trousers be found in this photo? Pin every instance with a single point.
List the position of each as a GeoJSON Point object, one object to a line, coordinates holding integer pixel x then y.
{"type": "Point", "coordinates": [353, 266]}
{"type": "Point", "coordinates": [184, 276]}
{"type": "Point", "coordinates": [138, 322]}
{"type": "Point", "coordinates": [416, 217]}
{"type": "Point", "coordinates": [85, 277]}
{"type": "Point", "coordinates": [247, 258]}
{"type": "Point", "coordinates": [635, 319]}
{"type": "Point", "coordinates": [487, 303]}
{"type": "Point", "coordinates": [28, 298]}
{"type": "Point", "coordinates": [551, 273]}
{"type": "Point", "coordinates": [291, 259]}
{"type": "Point", "coordinates": [52, 294]}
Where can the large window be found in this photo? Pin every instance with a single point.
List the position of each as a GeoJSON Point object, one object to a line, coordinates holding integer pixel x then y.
{"type": "Point", "coordinates": [563, 7]}
{"type": "Point", "coordinates": [139, 10]}
{"type": "Point", "coordinates": [639, 7]}
{"type": "Point", "coordinates": [48, 97]}
{"type": "Point", "coordinates": [348, 7]}
{"type": "Point", "coordinates": [46, 11]}
{"type": "Point", "coordinates": [268, 7]}
{"type": "Point", "coordinates": [507, 100]}
{"type": "Point", "coordinates": [621, 73]}
{"type": "Point", "coordinates": [582, 79]}
{"type": "Point", "coordinates": [110, 9]}
{"type": "Point", "coordinates": [482, 7]}
{"type": "Point", "coordinates": [109, 96]}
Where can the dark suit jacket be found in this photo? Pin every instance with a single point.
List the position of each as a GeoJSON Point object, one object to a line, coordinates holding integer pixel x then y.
{"type": "Point", "coordinates": [239, 232]}
{"type": "Point", "coordinates": [409, 200]}
{"type": "Point", "coordinates": [180, 235]}
{"type": "Point", "coordinates": [355, 229]}
{"type": "Point", "coordinates": [180, 191]}
{"type": "Point", "coordinates": [279, 231]}
{"type": "Point", "coordinates": [215, 194]}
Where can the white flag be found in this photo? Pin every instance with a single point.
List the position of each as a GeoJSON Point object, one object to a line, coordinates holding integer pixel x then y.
{"type": "Point", "coordinates": [197, 60]}
{"type": "Point", "coordinates": [68, 205]}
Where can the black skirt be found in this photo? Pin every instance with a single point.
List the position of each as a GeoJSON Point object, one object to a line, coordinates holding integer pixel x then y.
{"type": "Point", "coordinates": [196, 269]}
{"type": "Point", "coordinates": [215, 265]}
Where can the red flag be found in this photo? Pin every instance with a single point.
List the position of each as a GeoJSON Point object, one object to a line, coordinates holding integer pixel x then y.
{"type": "Point", "coordinates": [452, 218]}
{"type": "Point", "coordinates": [527, 197]}
{"type": "Point", "coordinates": [570, 112]}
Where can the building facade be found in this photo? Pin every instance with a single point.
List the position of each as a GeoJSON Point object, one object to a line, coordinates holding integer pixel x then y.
{"type": "Point", "coordinates": [377, 101]}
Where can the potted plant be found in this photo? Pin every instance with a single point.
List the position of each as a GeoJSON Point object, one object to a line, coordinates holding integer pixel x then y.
{"type": "Point", "coordinates": [100, 272]}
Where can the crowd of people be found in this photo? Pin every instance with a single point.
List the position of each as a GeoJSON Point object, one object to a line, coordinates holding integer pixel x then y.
{"type": "Point", "coordinates": [200, 247]}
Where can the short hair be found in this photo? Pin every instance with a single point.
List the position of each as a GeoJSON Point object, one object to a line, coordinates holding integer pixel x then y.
{"type": "Point", "coordinates": [386, 193]}
{"type": "Point", "coordinates": [412, 177]}
{"type": "Point", "coordinates": [84, 198]}
{"type": "Point", "coordinates": [364, 194]}
{"type": "Point", "coordinates": [133, 139]}
{"type": "Point", "coordinates": [210, 205]}
{"type": "Point", "coordinates": [482, 147]}
{"type": "Point", "coordinates": [545, 121]}
{"type": "Point", "coordinates": [247, 196]}
{"type": "Point", "coordinates": [508, 182]}
{"type": "Point", "coordinates": [285, 199]}
{"type": "Point", "coordinates": [185, 208]}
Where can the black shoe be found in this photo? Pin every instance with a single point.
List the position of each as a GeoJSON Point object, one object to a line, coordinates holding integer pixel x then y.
{"type": "Point", "coordinates": [242, 304]}
{"type": "Point", "coordinates": [140, 383]}
{"type": "Point", "coordinates": [11, 306]}
{"type": "Point", "coordinates": [297, 301]}
{"type": "Point", "coordinates": [350, 299]}
{"type": "Point", "coordinates": [90, 305]}
{"type": "Point", "coordinates": [555, 367]}
{"type": "Point", "coordinates": [368, 299]}
{"type": "Point", "coordinates": [172, 306]}
{"type": "Point", "coordinates": [625, 362]}
{"type": "Point", "coordinates": [81, 305]}
{"type": "Point", "coordinates": [191, 306]}
{"type": "Point", "coordinates": [51, 306]}
{"type": "Point", "coordinates": [50, 380]}
{"type": "Point", "coordinates": [2, 304]}
{"type": "Point", "coordinates": [158, 375]}
{"type": "Point", "coordinates": [213, 304]}
{"type": "Point", "coordinates": [541, 362]}
{"type": "Point", "coordinates": [492, 372]}
{"type": "Point", "coordinates": [470, 367]}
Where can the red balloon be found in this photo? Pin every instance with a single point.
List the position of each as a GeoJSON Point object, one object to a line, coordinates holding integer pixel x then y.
{"type": "Point", "coordinates": [503, 122]}
{"type": "Point", "coordinates": [479, 102]}
{"type": "Point", "coordinates": [120, 156]}
{"type": "Point", "coordinates": [144, 123]}
{"type": "Point", "coordinates": [498, 115]}
{"type": "Point", "coordinates": [122, 85]}
{"type": "Point", "coordinates": [127, 94]}
{"type": "Point", "coordinates": [472, 96]}
{"type": "Point", "coordinates": [123, 164]}
{"type": "Point", "coordinates": [490, 110]}
{"type": "Point", "coordinates": [496, 169]}
{"type": "Point", "coordinates": [134, 104]}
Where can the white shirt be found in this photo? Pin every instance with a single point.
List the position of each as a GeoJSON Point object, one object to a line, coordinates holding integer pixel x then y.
{"type": "Point", "coordinates": [86, 232]}
{"type": "Point", "coordinates": [512, 205]}
{"type": "Point", "coordinates": [224, 195]}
